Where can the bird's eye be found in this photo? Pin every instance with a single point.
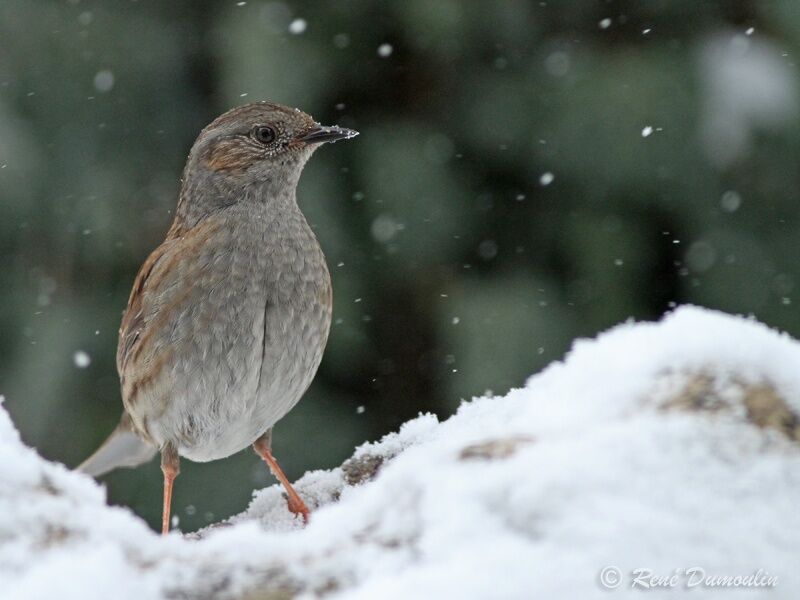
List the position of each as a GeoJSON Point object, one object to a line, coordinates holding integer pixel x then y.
{"type": "Point", "coordinates": [264, 134]}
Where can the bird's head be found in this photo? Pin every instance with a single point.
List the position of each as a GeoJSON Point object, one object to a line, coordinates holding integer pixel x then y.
{"type": "Point", "coordinates": [261, 142]}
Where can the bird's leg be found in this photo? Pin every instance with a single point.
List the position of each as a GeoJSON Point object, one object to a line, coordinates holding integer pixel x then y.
{"type": "Point", "coordinates": [170, 466]}
{"type": "Point", "coordinates": [262, 446]}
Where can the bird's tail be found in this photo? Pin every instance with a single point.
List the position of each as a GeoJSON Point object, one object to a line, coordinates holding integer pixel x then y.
{"type": "Point", "coordinates": [123, 448]}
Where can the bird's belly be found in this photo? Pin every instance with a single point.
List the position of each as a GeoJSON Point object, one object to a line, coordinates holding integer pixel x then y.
{"type": "Point", "coordinates": [230, 389]}
{"type": "Point", "coordinates": [239, 417]}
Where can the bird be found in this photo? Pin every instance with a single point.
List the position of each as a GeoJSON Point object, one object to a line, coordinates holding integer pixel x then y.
{"type": "Point", "coordinates": [229, 316]}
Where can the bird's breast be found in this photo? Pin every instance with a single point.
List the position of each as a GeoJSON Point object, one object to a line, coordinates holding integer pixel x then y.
{"type": "Point", "coordinates": [245, 341]}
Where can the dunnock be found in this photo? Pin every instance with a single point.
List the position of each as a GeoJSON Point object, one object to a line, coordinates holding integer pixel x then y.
{"type": "Point", "coordinates": [229, 316]}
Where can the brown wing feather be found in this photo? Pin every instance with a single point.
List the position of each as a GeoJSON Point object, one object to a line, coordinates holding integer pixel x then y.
{"type": "Point", "coordinates": [140, 325]}
{"type": "Point", "coordinates": [133, 318]}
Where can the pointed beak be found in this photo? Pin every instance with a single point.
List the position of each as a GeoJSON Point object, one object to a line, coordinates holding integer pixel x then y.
{"type": "Point", "coordinates": [321, 134]}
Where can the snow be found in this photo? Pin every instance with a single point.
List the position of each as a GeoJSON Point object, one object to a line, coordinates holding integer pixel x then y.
{"type": "Point", "coordinates": [662, 446]}
{"type": "Point", "coordinates": [731, 201]}
{"type": "Point", "coordinates": [104, 80]}
{"type": "Point", "coordinates": [81, 359]}
{"type": "Point", "coordinates": [298, 26]}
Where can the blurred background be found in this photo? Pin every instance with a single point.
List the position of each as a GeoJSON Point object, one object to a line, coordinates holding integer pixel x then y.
{"type": "Point", "coordinates": [527, 173]}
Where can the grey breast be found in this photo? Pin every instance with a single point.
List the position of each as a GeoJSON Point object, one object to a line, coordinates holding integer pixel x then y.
{"type": "Point", "coordinates": [252, 337]}
{"type": "Point", "coordinates": [297, 316]}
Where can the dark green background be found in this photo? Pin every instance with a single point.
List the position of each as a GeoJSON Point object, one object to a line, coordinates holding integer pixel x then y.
{"type": "Point", "coordinates": [455, 270]}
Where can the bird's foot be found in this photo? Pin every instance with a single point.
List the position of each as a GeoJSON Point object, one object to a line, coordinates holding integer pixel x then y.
{"type": "Point", "coordinates": [293, 499]}
{"type": "Point", "coordinates": [298, 507]}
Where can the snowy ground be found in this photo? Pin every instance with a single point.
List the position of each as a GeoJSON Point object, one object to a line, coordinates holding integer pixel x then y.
{"type": "Point", "coordinates": [666, 446]}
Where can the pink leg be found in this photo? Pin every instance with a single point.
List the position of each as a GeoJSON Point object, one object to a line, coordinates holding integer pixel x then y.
{"type": "Point", "coordinates": [170, 466]}
{"type": "Point", "coordinates": [296, 504]}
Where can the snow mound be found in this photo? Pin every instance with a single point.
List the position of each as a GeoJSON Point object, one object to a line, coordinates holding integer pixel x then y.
{"type": "Point", "coordinates": [669, 446]}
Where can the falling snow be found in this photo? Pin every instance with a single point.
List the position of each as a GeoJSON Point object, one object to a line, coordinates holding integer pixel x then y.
{"type": "Point", "coordinates": [104, 81]}
{"type": "Point", "coordinates": [384, 228]}
{"type": "Point", "coordinates": [730, 201]}
{"type": "Point", "coordinates": [81, 359]}
{"type": "Point", "coordinates": [297, 26]}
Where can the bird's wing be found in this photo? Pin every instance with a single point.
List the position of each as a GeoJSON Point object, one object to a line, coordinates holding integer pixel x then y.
{"type": "Point", "coordinates": [123, 448]}
{"type": "Point", "coordinates": [133, 320]}
{"type": "Point", "coordinates": [164, 278]}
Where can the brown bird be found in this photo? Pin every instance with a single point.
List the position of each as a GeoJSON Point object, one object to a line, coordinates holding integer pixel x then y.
{"type": "Point", "coordinates": [229, 316]}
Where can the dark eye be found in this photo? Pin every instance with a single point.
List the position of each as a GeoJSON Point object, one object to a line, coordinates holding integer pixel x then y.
{"type": "Point", "coordinates": [264, 134]}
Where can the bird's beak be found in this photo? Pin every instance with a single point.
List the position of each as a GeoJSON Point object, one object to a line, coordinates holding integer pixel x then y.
{"type": "Point", "coordinates": [321, 134]}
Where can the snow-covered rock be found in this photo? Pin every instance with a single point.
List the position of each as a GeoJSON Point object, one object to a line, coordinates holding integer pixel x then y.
{"type": "Point", "coordinates": [665, 446]}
